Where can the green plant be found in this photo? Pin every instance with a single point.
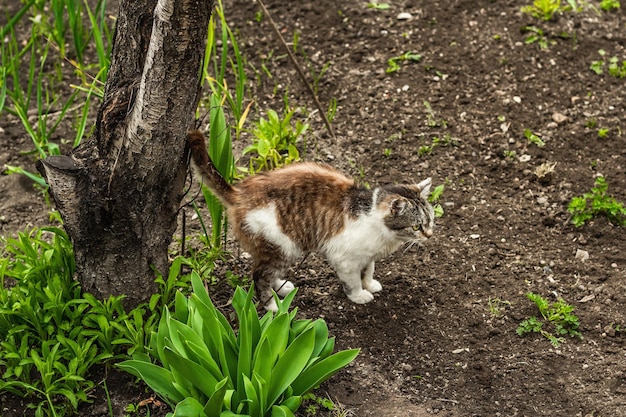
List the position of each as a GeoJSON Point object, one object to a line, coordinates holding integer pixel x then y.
{"type": "Point", "coordinates": [559, 314]}
{"type": "Point", "coordinates": [207, 369]}
{"type": "Point", "coordinates": [510, 154]}
{"type": "Point", "coordinates": [434, 196]}
{"type": "Point", "coordinates": [616, 69]}
{"type": "Point", "coordinates": [313, 403]}
{"type": "Point", "coordinates": [44, 351]}
{"type": "Point", "coordinates": [275, 141]}
{"type": "Point", "coordinates": [230, 53]}
{"type": "Point", "coordinates": [432, 121]}
{"type": "Point", "coordinates": [543, 9]}
{"type": "Point", "coordinates": [608, 5]}
{"type": "Point", "coordinates": [221, 153]}
{"type": "Point", "coordinates": [532, 138]}
{"type": "Point", "coordinates": [603, 133]}
{"type": "Point", "coordinates": [596, 203]}
{"type": "Point", "coordinates": [52, 334]}
{"type": "Point", "coordinates": [378, 6]}
{"type": "Point", "coordinates": [497, 307]}
{"type": "Point", "coordinates": [393, 63]}
{"type": "Point", "coordinates": [31, 71]}
{"type": "Point", "coordinates": [536, 35]}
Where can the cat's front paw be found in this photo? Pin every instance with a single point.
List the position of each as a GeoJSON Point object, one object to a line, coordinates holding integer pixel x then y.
{"type": "Point", "coordinates": [372, 286]}
{"type": "Point", "coordinates": [361, 297]}
{"type": "Point", "coordinates": [283, 287]}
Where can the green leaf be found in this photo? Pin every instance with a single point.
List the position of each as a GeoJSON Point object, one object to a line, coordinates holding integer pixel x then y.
{"type": "Point", "coordinates": [213, 407]}
{"type": "Point", "coordinates": [197, 375]}
{"type": "Point", "coordinates": [281, 411]}
{"type": "Point", "coordinates": [291, 364]}
{"type": "Point", "coordinates": [322, 370]}
{"type": "Point", "coordinates": [189, 407]}
{"type": "Point", "coordinates": [157, 378]}
{"type": "Point", "coordinates": [252, 398]}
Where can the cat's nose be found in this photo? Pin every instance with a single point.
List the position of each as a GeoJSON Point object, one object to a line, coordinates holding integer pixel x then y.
{"type": "Point", "coordinates": [428, 233]}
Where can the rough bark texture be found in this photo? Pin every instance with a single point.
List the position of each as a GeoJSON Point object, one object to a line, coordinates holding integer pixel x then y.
{"type": "Point", "coordinates": [119, 192]}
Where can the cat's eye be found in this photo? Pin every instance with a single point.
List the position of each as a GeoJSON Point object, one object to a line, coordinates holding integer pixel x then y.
{"type": "Point", "coordinates": [416, 227]}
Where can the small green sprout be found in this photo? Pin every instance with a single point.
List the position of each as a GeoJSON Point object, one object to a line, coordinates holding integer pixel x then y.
{"type": "Point", "coordinates": [434, 197]}
{"type": "Point", "coordinates": [608, 5]}
{"type": "Point", "coordinates": [543, 9]}
{"type": "Point", "coordinates": [532, 138]}
{"type": "Point", "coordinates": [393, 63]}
{"type": "Point", "coordinates": [378, 6]}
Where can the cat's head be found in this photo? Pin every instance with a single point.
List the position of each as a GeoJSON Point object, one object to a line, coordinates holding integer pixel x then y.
{"type": "Point", "coordinates": [408, 213]}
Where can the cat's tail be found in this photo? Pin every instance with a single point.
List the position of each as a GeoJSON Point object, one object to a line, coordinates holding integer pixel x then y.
{"type": "Point", "coordinates": [206, 171]}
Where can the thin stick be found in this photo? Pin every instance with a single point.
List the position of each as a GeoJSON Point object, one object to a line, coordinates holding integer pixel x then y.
{"type": "Point", "coordinates": [299, 70]}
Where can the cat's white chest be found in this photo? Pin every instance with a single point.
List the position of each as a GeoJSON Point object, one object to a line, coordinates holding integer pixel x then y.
{"type": "Point", "coordinates": [366, 237]}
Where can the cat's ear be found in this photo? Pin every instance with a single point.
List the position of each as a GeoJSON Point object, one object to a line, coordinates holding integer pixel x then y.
{"type": "Point", "coordinates": [398, 205]}
{"type": "Point", "coordinates": [424, 187]}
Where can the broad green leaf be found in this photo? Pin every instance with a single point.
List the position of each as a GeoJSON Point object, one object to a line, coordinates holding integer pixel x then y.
{"type": "Point", "coordinates": [322, 370]}
{"type": "Point", "coordinates": [252, 398]}
{"type": "Point", "coordinates": [291, 364]}
{"type": "Point", "coordinates": [293, 403]}
{"type": "Point", "coordinates": [262, 363]}
{"type": "Point", "coordinates": [189, 407]}
{"type": "Point", "coordinates": [278, 335]}
{"type": "Point", "coordinates": [198, 376]}
{"type": "Point", "coordinates": [321, 336]}
{"type": "Point", "coordinates": [281, 411]}
{"type": "Point", "coordinates": [181, 310]}
{"type": "Point", "coordinates": [157, 378]}
{"type": "Point", "coordinates": [214, 407]}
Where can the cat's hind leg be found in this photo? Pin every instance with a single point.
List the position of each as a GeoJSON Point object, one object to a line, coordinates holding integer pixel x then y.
{"type": "Point", "coordinates": [268, 277]}
{"type": "Point", "coordinates": [368, 281]}
{"type": "Point", "coordinates": [282, 287]}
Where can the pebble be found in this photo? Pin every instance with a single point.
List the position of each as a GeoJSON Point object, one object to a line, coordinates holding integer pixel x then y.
{"type": "Point", "coordinates": [582, 255]}
{"type": "Point", "coordinates": [559, 117]}
{"type": "Point", "coordinates": [405, 16]}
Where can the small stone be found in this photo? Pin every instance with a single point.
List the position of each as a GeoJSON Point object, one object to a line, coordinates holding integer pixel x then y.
{"type": "Point", "coordinates": [582, 255]}
{"type": "Point", "coordinates": [559, 117]}
{"type": "Point", "coordinates": [542, 200]}
{"type": "Point", "coordinates": [517, 99]}
{"type": "Point", "coordinates": [405, 16]}
{"type": "Point", "coordinates": [524, 158]}
{"type": "Point", "coordinates": [613, 265]}
{"type": "Point", "coordinates": [475, 236]}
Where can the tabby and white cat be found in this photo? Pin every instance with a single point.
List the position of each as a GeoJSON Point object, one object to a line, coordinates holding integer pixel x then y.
{"type": "Point", "coordinates": [280, 215]}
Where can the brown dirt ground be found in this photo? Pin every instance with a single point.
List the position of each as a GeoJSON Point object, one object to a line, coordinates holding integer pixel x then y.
{"type": "Point", "coordinates": [430, 344]}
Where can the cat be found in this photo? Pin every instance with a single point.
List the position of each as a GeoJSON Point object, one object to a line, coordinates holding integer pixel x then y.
{"type": "Point", "coordinates": [280, 215]}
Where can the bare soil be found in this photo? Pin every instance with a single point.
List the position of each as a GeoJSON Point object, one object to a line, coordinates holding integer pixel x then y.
{"type": "Point", "coordinates": [430, 344]}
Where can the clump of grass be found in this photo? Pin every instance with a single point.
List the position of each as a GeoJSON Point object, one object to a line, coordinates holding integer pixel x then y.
{"type": "Point", "coordinates": [597, 203]}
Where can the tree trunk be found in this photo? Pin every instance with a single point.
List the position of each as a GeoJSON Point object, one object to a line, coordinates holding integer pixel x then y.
{"type": "Point", "coordinates": [119, 192]}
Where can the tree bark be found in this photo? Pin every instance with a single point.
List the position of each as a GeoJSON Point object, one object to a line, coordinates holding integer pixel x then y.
{"type": "Point", "coordinates": [119, 192]}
